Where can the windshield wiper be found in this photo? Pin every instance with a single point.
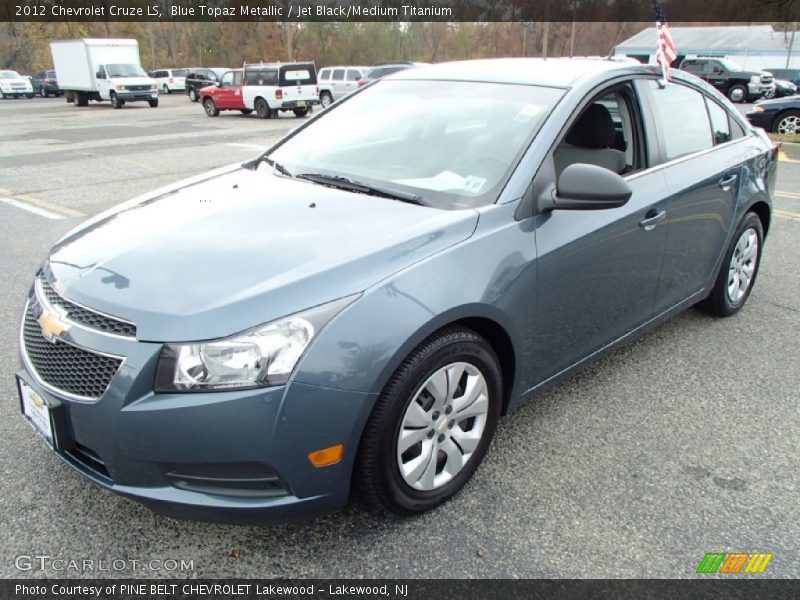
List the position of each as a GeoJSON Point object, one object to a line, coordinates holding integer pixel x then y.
{"type": "Point", "coordinates": [345, 183]}
{"type": "Point", "coordinates": [253, 165]}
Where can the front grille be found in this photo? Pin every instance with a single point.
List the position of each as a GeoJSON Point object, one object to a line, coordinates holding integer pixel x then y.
{"type": "Point", "coordinates": [138, 88]}
{"type": "Point", "coordinates": [63, 366]}
{"type": "Point", "coordinates": [87, 317]}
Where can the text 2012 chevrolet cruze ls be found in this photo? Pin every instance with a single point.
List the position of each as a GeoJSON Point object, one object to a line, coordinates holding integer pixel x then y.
{"type": "Point", "coordinates": [364, 301]}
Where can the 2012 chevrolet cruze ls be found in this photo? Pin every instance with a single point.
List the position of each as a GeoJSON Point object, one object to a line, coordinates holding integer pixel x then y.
{"type": "Point", "coordinates": [360, 304]}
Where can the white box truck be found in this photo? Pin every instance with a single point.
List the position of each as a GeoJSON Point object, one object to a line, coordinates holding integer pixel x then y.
{"type": "Point", "coordinates": [102, 69]}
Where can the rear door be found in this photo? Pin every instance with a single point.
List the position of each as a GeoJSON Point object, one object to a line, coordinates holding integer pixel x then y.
{"type": "Point", "coordinates": [298, 83]}
{"type": "Point", "coordinates": [337, 83]}
{"type": "Point", "coordinates": [702, 162]}
{"type": "Point", "coordinates": [351, 78]}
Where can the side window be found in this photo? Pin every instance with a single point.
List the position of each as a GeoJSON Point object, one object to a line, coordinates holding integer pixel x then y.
{"type": "Point", "coordinates": [606, 134]}
{"type": "Point", "coordinates": [237, 78]}
{"type": "Point", "coordinates": [211, 76]}
{"type": "Point", "coordinates": [324, 74]}
{"type": "Point", "coordinates": [716, 68]}
{"type": "Point", "coordinates": [227, 79]}
{"type": "Point", "coordinates": [720, 127]}
{"type": "Point", "coordinates": [353, 75]}
{"type": "Point", "coordinates": [737, 131]}
{"type": "Point", "coordinates": [683, 119]}
{"type": "Point", "coordinates": [338, 75]}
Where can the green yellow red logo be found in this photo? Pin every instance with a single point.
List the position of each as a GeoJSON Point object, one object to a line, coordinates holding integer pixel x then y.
{"type": "Point", "coordinates": [734, 562]}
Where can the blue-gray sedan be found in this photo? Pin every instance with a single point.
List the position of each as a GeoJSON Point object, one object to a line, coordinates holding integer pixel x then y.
{"type": "Point", "coordinates": [356, 308]}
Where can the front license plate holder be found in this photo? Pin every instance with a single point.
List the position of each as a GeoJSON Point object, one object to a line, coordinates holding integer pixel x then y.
{"type": "Point", "coordinates": [43, 415]}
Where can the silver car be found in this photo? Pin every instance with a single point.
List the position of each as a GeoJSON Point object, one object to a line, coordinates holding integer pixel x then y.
{"type": "Point", "coordinates": [336, 82]}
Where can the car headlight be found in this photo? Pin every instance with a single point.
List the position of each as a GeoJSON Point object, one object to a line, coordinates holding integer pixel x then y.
{"type": "Point", "coordinates": [755, 79]}
{"type": "Point", "coordinates": [263, 356]}
{"type": "Point", "coordinates": [120, 88]}
{"type": "Point", "coordinates": [758, 109]}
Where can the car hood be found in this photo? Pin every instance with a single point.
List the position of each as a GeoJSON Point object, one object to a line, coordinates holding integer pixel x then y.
{"type": "Point", "coordinates": [19, 80]}
{"type": "Point", "coordinates": [219, 254]}
{"type": "Point", "coordinates": [135, 80]}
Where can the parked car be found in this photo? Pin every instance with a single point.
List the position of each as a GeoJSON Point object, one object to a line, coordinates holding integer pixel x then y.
{"type": "Point", "coordinates": [14, 85]}
{"type": "Point", "coordinates": [781, 115]}
{"type": "Point", "coordinates": [358, 306]}
{"type": "Point", "coordinates": [199, 77]}
{"type": "Point", "coordinates": [736, 83]}
{"type": "Point", "coordinates": [170, 80]}
{"type": "Point", "coordinates": [792, 75]}
{"type": "Point", "coordinates": [266, 89]}
{"type": "Point", "coordinates": [336, 82]}
{"type": "Point", "coordinates": [384, 69]}
{"type": "Point", "coordinates": [46, 83]}
{"type": "Point", "coordinates": [226, 95]}
{"type": "Point", "coordinates": [783, 88]}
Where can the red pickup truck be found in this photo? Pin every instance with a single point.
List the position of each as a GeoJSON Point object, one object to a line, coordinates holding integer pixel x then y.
{"type": "Point", "coordinates": [225, 96]}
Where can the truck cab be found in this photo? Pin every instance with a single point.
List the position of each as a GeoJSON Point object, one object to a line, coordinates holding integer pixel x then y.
{"type": "Point", "coordinates": [125, 82]}
{"type": "Point", "coordinates": [738, 84]}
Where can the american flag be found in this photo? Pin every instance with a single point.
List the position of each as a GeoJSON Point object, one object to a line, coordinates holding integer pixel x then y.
{"type": "Point", "coordinates": [666, 52]}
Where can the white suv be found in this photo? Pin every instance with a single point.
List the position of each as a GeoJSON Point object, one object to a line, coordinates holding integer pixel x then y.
{"type": "Point", "coordinates": [170, 80]}
{"type": "Point", "coordinates": [336, 82]}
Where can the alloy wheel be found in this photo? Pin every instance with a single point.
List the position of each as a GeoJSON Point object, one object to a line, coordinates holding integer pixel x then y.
{"type": "Point", "coordinates": [743, 265]}
{"type": "Point", "coordinates": [442, 426]}
{"type": "Point", "coordinates": [789, 125]}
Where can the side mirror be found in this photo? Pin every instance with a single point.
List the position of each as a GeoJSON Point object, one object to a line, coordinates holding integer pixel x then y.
{"type": "Point", "coordinates": [99, 75]}
{"type": "Point", "coordinates": [589, 187]}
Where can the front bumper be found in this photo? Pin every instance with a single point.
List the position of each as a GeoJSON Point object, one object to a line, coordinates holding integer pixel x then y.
{"type": "Point", "coordinates": [761, 119]}
{"type": "Point", "coordinates": [129, 96]}
{"type": "Point", "coordinates": [17, 93]}
{"type": "Point", "coordinates": [233, 457]}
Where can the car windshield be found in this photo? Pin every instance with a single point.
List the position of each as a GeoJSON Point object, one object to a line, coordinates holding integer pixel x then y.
{"type": "Point", "coordinates": [125, 70]}
{"type": "Point", "coordinates": [729, 64]}
{"type": "Point", "coordinates": [9, 75]}
{"type": "Point", "coordinates": [408, 136]}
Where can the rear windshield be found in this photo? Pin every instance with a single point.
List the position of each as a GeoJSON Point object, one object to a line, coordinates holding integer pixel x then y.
{"type": "Point", "coordinates": [179, 72]}
{"type": "Point", "coordinates": [298, 75]}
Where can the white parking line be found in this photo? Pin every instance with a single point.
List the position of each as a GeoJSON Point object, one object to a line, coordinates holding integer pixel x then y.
{"type": "Point", "coordinates": [32, 209]}
{"type": "Point", "coordinates": [248, 146]}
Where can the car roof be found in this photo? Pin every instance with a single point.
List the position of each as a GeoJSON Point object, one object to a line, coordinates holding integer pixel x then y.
{"type": "Point", "coordinates": [555, 72]}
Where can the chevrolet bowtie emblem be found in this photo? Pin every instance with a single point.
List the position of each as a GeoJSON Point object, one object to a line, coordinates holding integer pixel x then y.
{"type": "Point", "coordinates": [52, 324]}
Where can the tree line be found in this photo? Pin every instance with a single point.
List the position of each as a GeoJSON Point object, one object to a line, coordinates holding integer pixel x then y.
{"type": "Point", "coordinates": [25, 46]}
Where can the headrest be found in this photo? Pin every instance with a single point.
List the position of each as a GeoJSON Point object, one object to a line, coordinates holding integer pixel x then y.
{"type": "Point", "coordinates": [593, 129]}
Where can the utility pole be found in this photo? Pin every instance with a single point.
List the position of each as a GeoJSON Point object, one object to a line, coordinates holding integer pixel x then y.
{"type": "Point", "coordinates": [791, 45]}
{"type": "Point", "coordinates": [544, 38]}
{"type": "Point", "coordinates": [572, 35]}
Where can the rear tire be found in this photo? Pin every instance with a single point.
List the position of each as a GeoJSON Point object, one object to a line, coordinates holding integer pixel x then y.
{"type": "Point", "coordinates": [737, 93]}
{"type": "Point", "coordinates": [737, 274]}
{"type": "Point", "coordinates": [442, 404]}
{"type": "Point", "coordinates": [81, 99]}
{"type": "Point", "coordinates": [210, 108]}
{"type": "Point", "coordinates": [262, 109]}
{"type": "Point", "coordinates": [300, 112]}
{"type": "Point", "coordinates": [193, 95]}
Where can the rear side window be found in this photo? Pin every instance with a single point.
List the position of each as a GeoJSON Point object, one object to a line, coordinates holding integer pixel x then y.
{"type": "Point", "coordinates": [720, 125]}
{"type": "Point", "coordinates": [683, 119]}
{"type": "Point", "coordinates": [338, 75]}
{"type": "Point", "coordinates": [353, 75]}
{"type": "Point", "coordinates": [261, 78]}
{"type": "Point", "coordinates": [325, 74]}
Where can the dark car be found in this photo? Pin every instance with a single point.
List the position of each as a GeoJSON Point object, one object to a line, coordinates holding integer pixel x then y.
{"type": "Point", "coordinates": [356, 308]}
{"type": "Point", "coordinates": [384, 69]}
{"type": "Point", "coordinates": [729, 78]}
{"type": "Point", "coordinates": [46, 83]}
{"type": "Point", "coordinates": [199, 77]}
{"type": "Point", "coordinates": [783, 88]}
{"type": "Point", "coordinates": [792, 75]}
{"type": "Point", "coordinates": [781, 115]}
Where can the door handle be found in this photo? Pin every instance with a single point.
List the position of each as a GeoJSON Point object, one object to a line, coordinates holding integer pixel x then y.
{"type": "Point", "coordinates": [726, 182]}
{"type": "Point", "coordinates": [651, 219]}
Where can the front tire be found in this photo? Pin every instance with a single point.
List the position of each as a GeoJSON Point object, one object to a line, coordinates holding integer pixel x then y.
{"type": "Point", "coordinates": [432, 424]}
{"type": "Point", "coordinates": [153, 103]}
{"type": "Point", "coordinates": [787, 123]}
{"type": "Point", "coordinates": [115, 101]}
{"type": "Point", "coordinates": [325, 99]}
{"type": "Point", "coordinates": [210, 108]}
{"type": "Point", "coordinates": [737, 93]}
{"type": "Point", "coordinates": [193, 95]}
{"type": "Point", "coordinates": [42, 92]}
{"type": "Point", "coordinates": [166, 89]}
{"type": "Point", "coordinates": [739, 269]}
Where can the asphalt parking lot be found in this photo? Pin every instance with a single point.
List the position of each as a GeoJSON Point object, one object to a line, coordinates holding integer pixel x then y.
{"type": "Point", "coordinates": [685, 442]}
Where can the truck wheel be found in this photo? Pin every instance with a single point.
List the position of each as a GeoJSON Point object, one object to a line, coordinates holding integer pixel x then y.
{"type": "Point", "coordinates": [1, 95]}
{"type": "Point", "coordinates": [738, 93]}
{"type": "Point", "coordinates": [300, 112]}
{"type": "Point", "coordinates": [262, 109]}
{"type": "Point", "coordinates": [246, 111]}
{"type": "Point", "coordinates": [325, 99]}
{"type": "Point", "coordinates": [153, 103]}
{"type": "Point", "coordinates": [115, 102]}
{"type": "Point", "coordinates": [210, 107]}
{"type": "Point", "coordinates": [80, 99]}
{"type": "Point", "coordinates": [193, 95]}
{"type": "Point", "coordinates": [29, 96]}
